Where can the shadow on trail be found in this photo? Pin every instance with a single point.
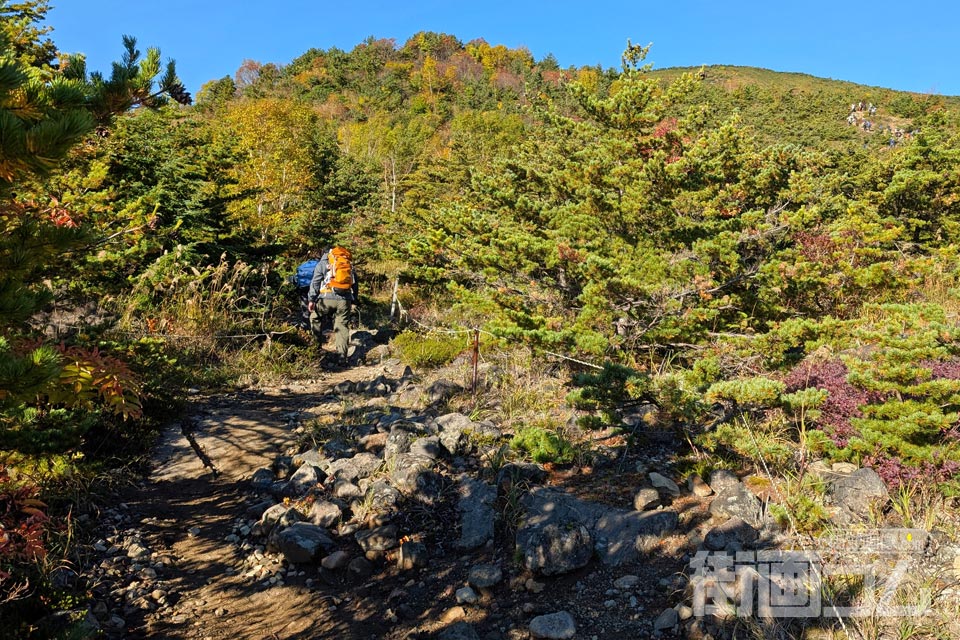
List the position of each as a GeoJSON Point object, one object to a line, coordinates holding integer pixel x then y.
{"type": "Point", "coordinates": [187, 515]}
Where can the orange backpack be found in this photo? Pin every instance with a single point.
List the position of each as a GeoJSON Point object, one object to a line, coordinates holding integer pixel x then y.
{"type": "Point", "coordinates": [340, 272]}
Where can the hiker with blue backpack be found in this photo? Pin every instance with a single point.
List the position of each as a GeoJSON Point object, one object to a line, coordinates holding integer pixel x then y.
{"type": "Point", "coordinates": [333, 290]}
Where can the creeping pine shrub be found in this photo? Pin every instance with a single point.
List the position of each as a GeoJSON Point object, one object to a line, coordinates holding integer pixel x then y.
{"type": "Point", "coordinates": [543, 445]}
{"type": "Point", "coordinates": [893, 397]}
{"type": "Point", "coordinates": [607, 392]}
{"type": "Point", "coordinates": [432, 350]}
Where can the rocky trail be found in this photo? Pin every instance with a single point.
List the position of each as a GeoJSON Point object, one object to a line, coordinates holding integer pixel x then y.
{"type": "Point", "coordinates": [359, 505]}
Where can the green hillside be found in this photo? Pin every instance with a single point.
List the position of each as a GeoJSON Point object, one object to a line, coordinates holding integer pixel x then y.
{"type": "Point", "coordinates": [804, 109]}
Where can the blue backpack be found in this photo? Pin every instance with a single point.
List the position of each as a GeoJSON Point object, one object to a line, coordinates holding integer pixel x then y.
{"type": "Point", "coordinates": [305, 274]}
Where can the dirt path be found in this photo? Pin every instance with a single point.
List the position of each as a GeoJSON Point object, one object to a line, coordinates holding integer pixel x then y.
{"type": "Point", "coordinates": [181, 562]}
{"type": "Point", "coordinates": [188, 508]}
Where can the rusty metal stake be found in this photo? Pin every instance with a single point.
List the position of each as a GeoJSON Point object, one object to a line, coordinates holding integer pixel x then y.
{"type": "Point", "coordinates": [476, 357]}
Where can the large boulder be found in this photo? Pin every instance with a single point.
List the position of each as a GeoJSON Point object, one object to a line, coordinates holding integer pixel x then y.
{"type": "Point", "coordinates": [454, 432]}
{"type": "Point", "coordinates": [554, 626]}
{"type": "Point", "coordinates": [304, 479]}
{"type": "Point", "coordinates": [477, 513]}
{"type": "Point", "coordinates": [324, 513]}
{"type": "Point", "coordinates": [618, 536]}
{"type": "Point", "coordinates": [557, 548]}
{"type": "Point", "coordinates": [278, 514]}
{"type": "Point", "coordinates": [378, 539]}
{"type": "Point", "coordinates": [858, 494]}
{"type": "Point", "coordinates": [421, 485]}
{"type": "Point", "coordinates": [303, 542]}
{"type": "Point", "coordinates": [732, 535]}
{"type": "Point", "coordinates": [734, 500]}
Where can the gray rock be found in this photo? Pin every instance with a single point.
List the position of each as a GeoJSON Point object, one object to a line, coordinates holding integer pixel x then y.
{"type": "Point", "coordinates": [366, 464]}
{"type": "Point", "coordinates": [857, 494]}
{"type": "Point", "coordinates": [558, 548]}
{"type": "Point", "coordinates": [303, 542]}
{"type": "Point", "coordinates": [722, 479]}
{"type": "Point", "coordinates": [441, 391]}
{"type": "Point", "coordinates": [454, 430]}
{"type": "Point", "coordinates": [379, 539]}
{"type": "Point", "coordinates": [736, 501]}
{"type": "Point", "coordinates": [335, 561]}
{"type": "Point", "coordinates": [666, 620]}
{"type": "Point", "coordinates": [360, 567]}
{"type": "Point", "coordinates": [428, 447]}
{"type": "Point", "coordinates": [458, 631]}
{"type": "Point", "coordinates": [477, 514]}
{"type": "Point", "coordinates": [626, 582]}
{"type": "Point", "coordinates": [663, 483]}
{"type": "Point", "coordinates": [324, 513]}
{"type": "Point", "coordinates": [304, 479]}
{"type": "Point", "coordinates": [311, 456]}
{"type": "Point", "coordinates": [262, 479]}
{"type": "Point", "coordinates": [484, 576]}
{"type": "Point", "coordinates": [346, 490]}
{"type": "Point", "coordinates": [276, 514]}
{"type": "Point", "coordinates": [555, 626]}
{"type": "Point", "coordinates": [732, 535]}
{"type": "Point", "coordinates": [699, 488]}
{"type": "Point", "coordinates": [466, 595]}
{"type": "Point", "coordinates": [618, 535]}
{"type": "Point", "coordinates": [646, 498]}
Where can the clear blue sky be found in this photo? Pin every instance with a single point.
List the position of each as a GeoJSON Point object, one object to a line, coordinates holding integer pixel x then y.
{"type": "Point", "coordinates": [913, 46]}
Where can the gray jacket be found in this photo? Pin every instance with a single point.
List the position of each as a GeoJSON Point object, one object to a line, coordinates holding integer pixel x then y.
{"type": "Point", "coordinates": [320, 274]}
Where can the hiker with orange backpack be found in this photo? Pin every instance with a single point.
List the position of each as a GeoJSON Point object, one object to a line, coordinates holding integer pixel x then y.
{"type": "Point", "coordinates": [333, 290]}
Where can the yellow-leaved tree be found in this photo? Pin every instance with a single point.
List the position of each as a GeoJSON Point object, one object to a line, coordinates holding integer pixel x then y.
{"type": "Point", "coordinates": [276, 137]}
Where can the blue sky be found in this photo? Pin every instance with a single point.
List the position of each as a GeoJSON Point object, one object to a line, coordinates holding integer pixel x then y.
{"type": "Point", "coordinates": [911, 46]}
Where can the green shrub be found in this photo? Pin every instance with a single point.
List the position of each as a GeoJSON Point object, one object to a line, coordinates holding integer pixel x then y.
{"type": "Point", "coordinates": [432, 350]}
{"type": "Point", "coordinates": [543, 445]}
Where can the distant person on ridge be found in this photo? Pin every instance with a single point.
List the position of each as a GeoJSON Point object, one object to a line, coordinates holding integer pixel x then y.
{"type": "Point", "coordinates": [333, 290]}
